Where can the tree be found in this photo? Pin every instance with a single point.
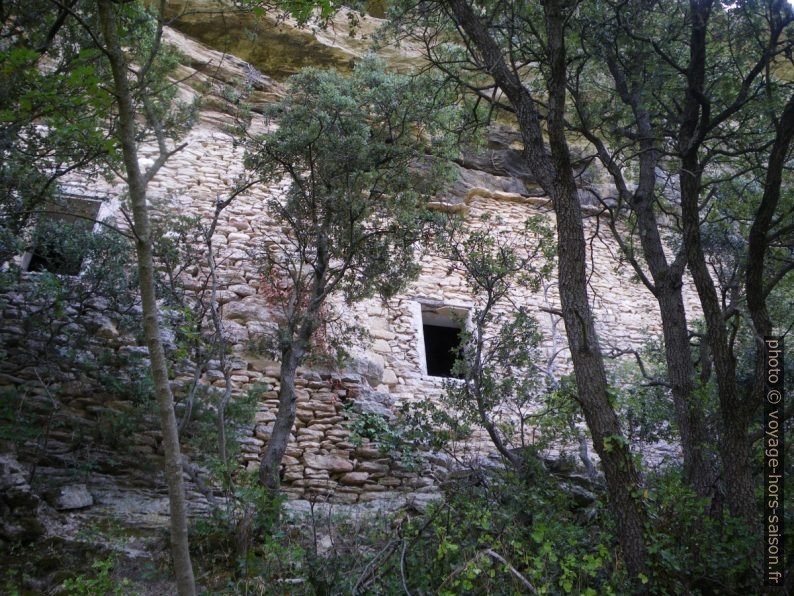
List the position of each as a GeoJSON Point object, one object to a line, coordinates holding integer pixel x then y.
{"type": "Point", "coordinates": [126, 95]}
{"type": "Point", "coordinates": [352, 150]}
{"type": "Point", "coordinates": [498, 362]}
{"type": "Point", "coordinates": [697, 124]}
{"type": "Point", "coordinates": [613, 44]}
{"type": "Point", "coordinates": [510, 54]}
{"type": "Point", "coordinates": [59, 116]}
{"type": "Point", "coordinates": [706, 152]}
{"type": "Point", "coordinates": [54, 112]}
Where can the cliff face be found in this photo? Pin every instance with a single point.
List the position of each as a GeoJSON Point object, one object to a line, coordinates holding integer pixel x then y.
{"type": "Point", "coordinates": [276, 45]}
{"type": "Point", "coordinates": [321, 460]}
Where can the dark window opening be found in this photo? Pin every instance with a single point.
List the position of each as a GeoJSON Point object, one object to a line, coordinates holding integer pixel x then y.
{"type": "Point", "coordinates": [442, 336]}
{"type": "Point", "coordinates": [51, 258]}
{"type": "Point", "coordinates": [58, 245]}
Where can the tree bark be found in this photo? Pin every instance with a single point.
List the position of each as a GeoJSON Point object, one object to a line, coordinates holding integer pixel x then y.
{"type": "Point", "coordinates": [137, 190]}
{"type": "Point", "coordinates": [735, 412]}
{"type": "Point", "coordinates": [667, 289]}
{"type": "Point", "coordinates": [758, 241]}
{"type": "Point", "coordinates": [294, 347]}
{"type": "Point", "coordinates": [269, 467]}
{"type": "Point", "coordinates": [555, 175]}
{"type": "Point", "coordinates": [666, 278]}
{"type": "Point", "coordinates": [698, 469]}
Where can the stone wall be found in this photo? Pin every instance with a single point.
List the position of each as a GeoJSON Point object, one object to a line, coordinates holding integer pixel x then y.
{"type": "Point", "coordinates": [321, 461]}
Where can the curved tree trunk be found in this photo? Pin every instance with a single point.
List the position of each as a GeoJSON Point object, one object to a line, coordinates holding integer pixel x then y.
{"type": "Point", "coordinates": [667, 277]}
{"type": "Point", "coordinates": [137, 189]}
{"type": "Point", "coordinates": [294, 348]}
{"type": "Point", "coordinates": [758, 243]}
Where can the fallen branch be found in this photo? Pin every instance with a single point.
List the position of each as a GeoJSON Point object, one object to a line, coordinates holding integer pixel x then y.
{"type": "Point", "coordinates": [494, 555]}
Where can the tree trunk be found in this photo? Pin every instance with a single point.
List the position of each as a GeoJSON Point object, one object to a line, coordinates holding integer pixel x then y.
{"type": "Point", "coordinates": [667, 277]}
{"type": "Point", "coordinates": [621, 475]}
{"type": "Point", "coordinates": [668, 283]}
{"type": "Point", "coordinates": [691, 422]}
{"type": "Point", "coordinates": [608, 441]}
{"type": "Point", "coordinates": [137, 189]}
{"type": "Point", "coordinates": [758, 243]}
{"type": "Point", "coordinates": [735, 413]}
{"type": "Point", "coordinates": [269, 467]}
{"type": "Point", "coordinates": [555, 174]}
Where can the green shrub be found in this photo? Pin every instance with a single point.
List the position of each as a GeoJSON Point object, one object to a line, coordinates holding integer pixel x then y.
{"type": "Point", "coordinates": [100, 582]}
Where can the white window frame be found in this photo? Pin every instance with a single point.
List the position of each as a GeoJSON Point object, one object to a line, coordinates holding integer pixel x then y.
{"type": "Point", "coordinates": [107, 208]}
{"type": "Point", "coordinates": [438, 308]}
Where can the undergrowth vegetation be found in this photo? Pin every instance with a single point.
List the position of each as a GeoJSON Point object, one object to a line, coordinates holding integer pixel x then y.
{"type": "Point", "coordinates": [494, 533]}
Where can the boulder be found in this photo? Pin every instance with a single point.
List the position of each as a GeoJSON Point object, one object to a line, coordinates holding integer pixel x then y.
{"type": "Point", "coordinates": [389, 377]}
{"type": "Point", "coordinates": [19, 506]}
{"type": "Point", "coordinates": [581, 497]}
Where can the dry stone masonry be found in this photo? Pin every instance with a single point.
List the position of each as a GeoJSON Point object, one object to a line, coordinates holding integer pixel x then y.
{"type": "Point", "coordinates": [321, 461]}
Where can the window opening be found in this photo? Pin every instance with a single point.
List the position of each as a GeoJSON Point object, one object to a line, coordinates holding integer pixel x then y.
{"type": "Point", "coordinates": [57, 244]}
{"type": "Point", "coordinates": [442, 329]}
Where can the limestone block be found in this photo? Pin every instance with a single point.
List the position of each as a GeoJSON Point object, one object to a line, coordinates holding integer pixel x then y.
{"type": "Point", "coordinates": [346, 498]}
{"type": "Point", "coordinates": [294, 451]}
{"type": "Point", "coordinates": [354, 478]}
{"type": "Point", "coordinates": [242, 290]}
{"type": "Point", "coordinates": [251, 442]}
{"type": "Point", "coordinates": [312, 473]}
{"type": "Point", "coordinates": [382, 334]}
{"type": "Point", "coordinates": [338, 433]}
{"type": "Point", "coordinates": [245, 311]}
{"type": "Point", "coordinates": [106, 328]}
{"type": "Point", "coordinates": [374, 402]}
{"type": "Point", "coordinates": [421, 501]}
{"type": "Point", "coordinates": [389, 377]}
{"type": "Point", "coordinates": [264, 417]}
{"type": "Point", "coordinates": [323, 408]}
{"type": "Point", "coordinates": [307, 444]}
{"type": "Point", "coordinates": [291, 475]}
{"type": "Point", "coordinates": [419, 482]}
{"type": "Point", "coordinates": [381, 346]}
{"type": "Point", "coordinates": [239, 224]}
{"type": "Point", "coordinates": [305, 415]}
{"type": "Point", "coordinates": [369, 366]}
{"type": "Point", "coordinates": [309, 432]}
{"type": "Point", "coordinates": [366, 452]}
{"type": "Point", "coordinates": [72, 496]}
{"type": "Point", "coordinates": [332, 463]}
{"type": "Point", "coordinates": [225, 297]}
